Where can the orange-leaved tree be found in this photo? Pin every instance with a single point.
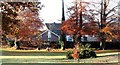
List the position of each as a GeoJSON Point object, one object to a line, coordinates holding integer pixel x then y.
{"type": "Point", "coordinates": [81, 22]}
{"type": "Point", "coordinates": [29, 25]}
{"type": "Point", "coordinates": [15, 24]}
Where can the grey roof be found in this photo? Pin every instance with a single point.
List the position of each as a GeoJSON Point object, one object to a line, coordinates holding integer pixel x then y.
{"type": "Point", "coordinates": [54, 27]}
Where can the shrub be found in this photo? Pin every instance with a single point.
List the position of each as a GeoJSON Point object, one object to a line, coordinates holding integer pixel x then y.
{"type": "Point", "coordinates": [11, 43]}
{"type": "Point", "coordinates": [85, 52]}
{"type": "Point", "coordinates": [93, 54]}
{"type": "Point", "coordinates": [69, 54]}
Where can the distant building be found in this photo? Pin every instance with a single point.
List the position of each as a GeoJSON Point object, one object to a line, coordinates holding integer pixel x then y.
{"type": "Point", "coordinates": [89, 38]}
{"type": "Point", "coordinates": [69, 38]}
{"type": "Point", "coordinates": [52, 34]}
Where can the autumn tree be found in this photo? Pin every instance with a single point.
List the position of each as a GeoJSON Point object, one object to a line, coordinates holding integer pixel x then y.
{"type": "Point", "coordinates": [29, 25]}
{"type": "Point", "coordinates": [20, 18]}
{"type": "Point", "coordinates": [76, 24]}
{"type": "Point", "coordinates": [97, 19]}
{"type": "Point", "coordinates": [107, 16]}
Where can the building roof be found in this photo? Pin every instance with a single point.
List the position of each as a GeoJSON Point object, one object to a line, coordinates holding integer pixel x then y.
{"type": "Point", "coordinates": [54, 30]}
{"type": "Point", "coordinates": [53, 26]}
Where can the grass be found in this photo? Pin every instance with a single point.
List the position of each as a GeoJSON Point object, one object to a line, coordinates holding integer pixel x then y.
{"type": "Point", "coordinates": [56, 52]}
{"type": "Point", "coordinates": [47, 58]}
{"type": "Point", "coordinates": [60, 64]}
{"type": "Point", "coordinates": [43, 57]}
{"type": "Point", "coordinates": [106, 51]}
{"type": "Point", "coordinates": [13, 53]}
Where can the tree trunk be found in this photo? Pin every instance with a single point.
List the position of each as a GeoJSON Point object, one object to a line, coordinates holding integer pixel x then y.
{"type": "Point", "coordinates": [103, 24]}
{"type": "Point", "coordinates": [76, 41]}
{"type": "Point", "coordinates": [63, 39]}
{"type": "Point", "coordinates": [102, 41]}
{"type": "Point", "coordinates": [17, 43]}
{"type": "Point", "coordinates": [62, 33]}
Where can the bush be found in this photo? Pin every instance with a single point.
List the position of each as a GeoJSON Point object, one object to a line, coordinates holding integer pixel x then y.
{"type": "Point", "coordinates": [11, 43]}
{"type": "Point", "coordinates": [85, 52]}
{"type": "Point", "coordinates": [69, 54]}
{"type": "Point", "coordinates": [93, 54]}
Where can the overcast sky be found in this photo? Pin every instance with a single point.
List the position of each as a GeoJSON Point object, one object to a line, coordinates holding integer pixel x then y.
{"type": "Point", "coordinates": [52, 12]}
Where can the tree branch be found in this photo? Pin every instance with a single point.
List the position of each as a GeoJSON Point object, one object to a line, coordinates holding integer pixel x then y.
{"type": "Point", "coordinates": [111, 20]}
{"type": "Point", "coordinates": [111, 10]}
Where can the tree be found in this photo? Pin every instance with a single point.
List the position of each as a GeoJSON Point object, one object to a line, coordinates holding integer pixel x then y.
{"type": "Point", "coordinates": [62, 38]}
{"type": "Point", "coordinates": [29, 22]}
{"type": "Point", "coordinates": [112, 32]}
{"type": "Point", "coordinates": [107, 16]}
{"type": "Point", "coordinates": [29, 25]}
{"type": "Point", "coordinates": [96, 19]}
{"type": "Point", "coordinates": [75, 25]}
{"type": "Point", "coordinates": [13, 25]}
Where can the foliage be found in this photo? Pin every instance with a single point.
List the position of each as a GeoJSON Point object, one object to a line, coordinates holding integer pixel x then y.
{"type": "Point", "coordinates": [21, 20]}
{"type": "Point", "coordinates": [107, 17]}
{"type": "Point", "coordinates": [11, 43]}
{"type": "Point", "coordinates": [30, 23]}
{"type": "Point", "coordinates": [61, 43]}
{"type": "Point", "coordinates": [85, 52]}
{"type": "Point", "coordinates": [81, 21]}
{"type": "Point", "coordinates": [10, 11]}
{"type": "Point", "coordinates": [87, 20]}
{"type": "Point", "coordinates": [112, 31]}
{"type": "Point", "coordinates": [68, 54]}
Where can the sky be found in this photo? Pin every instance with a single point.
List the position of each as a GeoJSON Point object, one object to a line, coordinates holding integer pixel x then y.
{"type": "Point", "coordinates": [52, 10]}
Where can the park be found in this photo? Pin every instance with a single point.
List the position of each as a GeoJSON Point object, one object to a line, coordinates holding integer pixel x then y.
{"type": "Point", "coordinates": [60, 32]}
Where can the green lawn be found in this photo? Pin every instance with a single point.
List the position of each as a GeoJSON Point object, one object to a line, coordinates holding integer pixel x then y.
{"type": "Point", "coordinates": [43, 53]}
{"type": "Point", "coordinates": [60, 64]}
{"type": "Point", "coordinates": [13, 53]}
{"type": "Point", "coordinates": [36, 60]}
